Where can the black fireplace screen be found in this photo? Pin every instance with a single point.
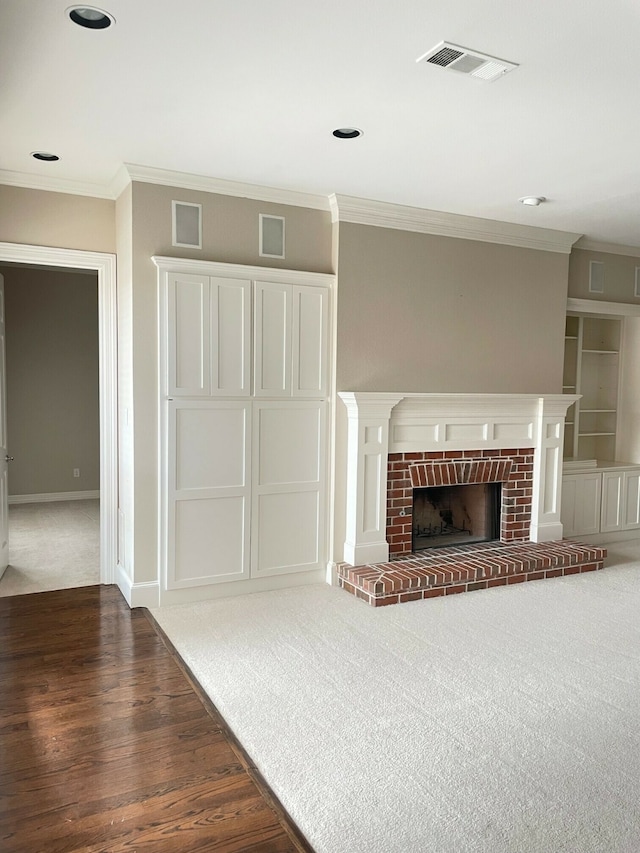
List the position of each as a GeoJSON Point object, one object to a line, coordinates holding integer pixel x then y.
{"type": "Point", "coordinates": [456, 515]}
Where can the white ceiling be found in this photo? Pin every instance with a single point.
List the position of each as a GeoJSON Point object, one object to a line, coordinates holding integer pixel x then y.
{"type": "Point", "coordinates": [250, 90]}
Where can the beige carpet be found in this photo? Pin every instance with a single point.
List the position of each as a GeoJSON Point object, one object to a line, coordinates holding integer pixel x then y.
{"type": "Point", "coordinates": [52, 545]}
{"type": "Point", "coordinates": [499, 721]}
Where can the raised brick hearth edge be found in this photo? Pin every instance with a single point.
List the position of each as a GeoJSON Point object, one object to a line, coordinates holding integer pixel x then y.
{"type": "Point", "coordinates": [465, 568]}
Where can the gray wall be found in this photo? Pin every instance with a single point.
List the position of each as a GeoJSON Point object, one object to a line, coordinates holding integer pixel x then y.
{"type": "Point", "coordinates": [52, 380]}
{"type": "Point", "coordinates": [423, 313]}
{"type": "Point", "coordinates": [619, 276]}
{"type": "Point", "coordinates": [65, 221]}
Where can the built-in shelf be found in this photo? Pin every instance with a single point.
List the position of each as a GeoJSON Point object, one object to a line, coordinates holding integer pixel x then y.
{"type": "Point", "coordinates": [591, 367]}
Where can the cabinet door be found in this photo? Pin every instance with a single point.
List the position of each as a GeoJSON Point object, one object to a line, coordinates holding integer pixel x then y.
{"type": "Point", "coordinates": [631, 517]}
{"type": "Point", "coordinates": [309, 341]}
{"type": "Point", "coordinates": [612, 501]}
{"type": "Point", "coordinates": [230, 336]}
{"type": "Point", "coordinates": [188, 335]}
{"type": "Point", "coordinates": [272, 339]}
{"type": "Point", "coordinates": [581, 499]}
{"type": "Point", "coordinates": [289, 487]}
{"type": "Point", "coordinates": [208, 492]}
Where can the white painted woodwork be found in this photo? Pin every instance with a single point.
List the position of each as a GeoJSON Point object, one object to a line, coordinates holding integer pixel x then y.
{"type": "Point", "coordinates": [289, 487]}
{"type": "Point", "coordinates": [581, 504]}
{"type": "Point", "coordinates": [4, 465]}
{"type": "Point", "coordinates": [230, 336]}
{"type": "Point", "coordinates": [620, 501]}
{"type": "Point", "coordinates": [380, 423]}
{"type": "Point", "coordinates": [272, 336]}
{"type": "Point", "coordinates": [592, 368]}
{"type": "Point", "coordinates": [208, 491]}
{"type": "Point", "coordinates": [309, 341]}
{"type": "Point", "coordinates": [243, 453]}
{"type": "Point", "coordinates": [631, 517]}
{"type": "Point", "coordinates": [188, 318]}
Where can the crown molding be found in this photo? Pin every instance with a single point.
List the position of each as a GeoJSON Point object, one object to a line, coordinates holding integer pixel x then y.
{"type": "Point", "coordinates": [52, 184]}
{"type": "Point", "coordinates": [384, 215]}
{"type": "Point", "coordinates": [608, 248]}
{"type": "Point", "coordinates": [596, 306]}
{"type": "Point", "coordinates": [202, 183]}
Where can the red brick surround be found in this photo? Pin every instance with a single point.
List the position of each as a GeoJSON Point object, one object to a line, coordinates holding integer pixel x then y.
{"type": "Point", "coordinates": [406, 471]}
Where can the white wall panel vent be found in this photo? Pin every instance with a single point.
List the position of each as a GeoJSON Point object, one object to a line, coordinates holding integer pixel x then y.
{"type": "Point", "coordinates": [186, 227]}
{"type": "Point", "coordinates": [465, 61]}
{"type": "Point", "coordinates": [271, 236]}
{"type": "Point", "coordinates": [596, 277]}
{"type": "Point", "coordinates": [637, 288]}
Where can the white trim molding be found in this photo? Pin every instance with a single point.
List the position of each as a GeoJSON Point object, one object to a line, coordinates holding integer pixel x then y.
{"type": "Point", "coordinates": [607, 248]}
{"type": "Point", "coordinates": [48, 497]}
{"type": "Point", "coordinates": [242, 271]}
{"type": "Point", "coordinates": [381, 423]}
{"type": "Point", "coordinates": [219, 186]}
{"type": "Point", "coordinates": [47, 183]}
{"type": "Point", "coordinates": [105, 266]}
{"type": "Point", "coordinates": [599, 306]}
{"type": "Point", "coordinates": [384, 215]}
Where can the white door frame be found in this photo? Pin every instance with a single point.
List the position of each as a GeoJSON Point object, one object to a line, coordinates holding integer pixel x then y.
{"type": "Point", "coordinates": [105, 266]}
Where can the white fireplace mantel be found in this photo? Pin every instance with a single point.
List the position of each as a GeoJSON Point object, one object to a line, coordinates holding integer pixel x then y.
{"type": "Point", "coordinates": [383, 423]}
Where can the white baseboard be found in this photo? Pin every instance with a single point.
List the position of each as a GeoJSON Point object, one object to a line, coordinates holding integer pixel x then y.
{"type": "Point", "coordinates": [54, 496]}
{"type": "Point", "coordinates": [137, 594]}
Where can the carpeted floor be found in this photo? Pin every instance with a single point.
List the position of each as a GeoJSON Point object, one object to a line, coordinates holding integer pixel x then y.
{"type": "Point", "coordinates": [52, 545]}
{"type": "Point", "coordinates": [499, 721]}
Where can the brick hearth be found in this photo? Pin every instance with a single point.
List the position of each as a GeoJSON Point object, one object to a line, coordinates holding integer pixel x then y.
{"type": "Point", "coordinates": [464, 568]}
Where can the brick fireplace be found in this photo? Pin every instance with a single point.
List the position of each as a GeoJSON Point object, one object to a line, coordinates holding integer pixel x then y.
{"type": "Point", "coordinates": [513, 468]}
{"type": "Point", "coordinates": [397, 443]}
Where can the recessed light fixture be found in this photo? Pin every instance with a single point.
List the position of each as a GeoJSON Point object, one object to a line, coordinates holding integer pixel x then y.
{"type": "Point", "coordinates": [347, 133]}
{"type": "Point", "coordinates": [44, 155]}
{"type": "Point", "coordinates": [532, 200]}
{"type": "Point", "coordinates": [90, 17]}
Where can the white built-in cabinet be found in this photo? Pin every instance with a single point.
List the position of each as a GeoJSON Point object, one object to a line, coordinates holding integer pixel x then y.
{"type": "Point", "coordinates": [601, 501]}
{"type": "Point", "coordinates": [244, 382]}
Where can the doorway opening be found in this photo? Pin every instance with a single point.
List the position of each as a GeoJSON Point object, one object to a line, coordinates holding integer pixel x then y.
{"type": "Point", "coordinates": [104, 266]}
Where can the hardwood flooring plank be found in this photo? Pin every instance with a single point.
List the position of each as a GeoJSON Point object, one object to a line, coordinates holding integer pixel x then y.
{"type": "Point", "coordinates": [108, 746]}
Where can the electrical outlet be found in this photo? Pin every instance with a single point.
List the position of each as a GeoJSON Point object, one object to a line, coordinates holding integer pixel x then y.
{"type": "Point", "coordinates": [76, 472]}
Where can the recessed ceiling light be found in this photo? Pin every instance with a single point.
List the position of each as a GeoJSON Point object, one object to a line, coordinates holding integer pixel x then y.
{"type": "Point", "coordinates": [44, 155]}
{"type": "Point", "coordinates": [347, 132]}
{"type": "Point", "coordinates": [90, 17]}
{"type": "Point", "coordinates": [532, 200]}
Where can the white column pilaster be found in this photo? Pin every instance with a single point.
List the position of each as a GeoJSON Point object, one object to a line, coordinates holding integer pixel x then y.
{"type": "Point", "coordinates": [368, 445]}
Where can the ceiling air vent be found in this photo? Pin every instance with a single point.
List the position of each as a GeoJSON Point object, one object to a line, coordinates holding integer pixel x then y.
{"type": "Point", "coordinates": [456, 58]}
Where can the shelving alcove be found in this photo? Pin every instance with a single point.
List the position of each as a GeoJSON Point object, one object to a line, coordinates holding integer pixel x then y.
{"type": "Point", "coordinates": [600, 492]}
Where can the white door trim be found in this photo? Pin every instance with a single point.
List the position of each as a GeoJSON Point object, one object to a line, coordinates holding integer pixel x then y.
{"type": "Point", "coordinates": [105, 266]}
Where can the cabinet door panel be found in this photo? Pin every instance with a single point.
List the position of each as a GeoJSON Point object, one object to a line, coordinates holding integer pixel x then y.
{"type": "Point", "coordinates": [210, 541]}
{"type": "Point", "coordinates": [287, 528]}
{"type": "Point", "coordinates": [612, 494]}
{"type": "Point", "coordinates": [272, 333]}
{"type": "Point", "coordinates": [289, 444]}
{"type": "Point", "coordinates": [581, 499]}
{"type": "Point", "coordinates": [208, 492]}
{"type": "Point", "coordinates": [230, 336]}
{"type": "Point", "coordinates": [188, 334]}
{"type": "Point", "coordinates": [309, 341]}
{"type": "Point", "coordinates": [289, 487]}
{"type": "Point", "coordinates": [632, 500]}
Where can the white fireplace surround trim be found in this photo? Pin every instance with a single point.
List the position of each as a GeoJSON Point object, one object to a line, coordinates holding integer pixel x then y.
{"type": "Point", "coordinates": [383, 423]}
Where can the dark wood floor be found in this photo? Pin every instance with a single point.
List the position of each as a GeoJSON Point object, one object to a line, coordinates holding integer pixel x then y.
{"type": "Point", "coordinates": [106, 746]}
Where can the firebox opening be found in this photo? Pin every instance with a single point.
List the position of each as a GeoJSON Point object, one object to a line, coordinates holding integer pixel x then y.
{"type": "Point", "coordinates": [455, 515]}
